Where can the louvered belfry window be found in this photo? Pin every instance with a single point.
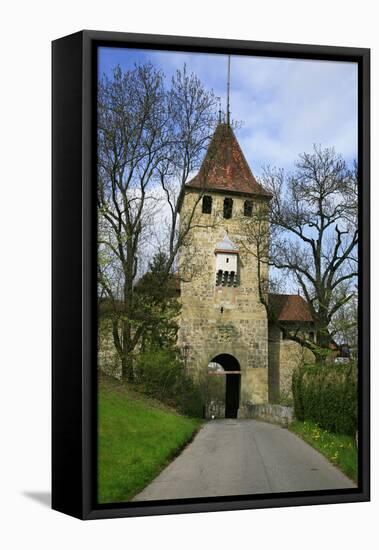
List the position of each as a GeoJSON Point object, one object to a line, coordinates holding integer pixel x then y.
{"type": "Point", "coordinates": [228, 208]}
{"type": "Point", "coordinates": [248, 209]}
{"type": "Point", "coordinates": [207, 204]}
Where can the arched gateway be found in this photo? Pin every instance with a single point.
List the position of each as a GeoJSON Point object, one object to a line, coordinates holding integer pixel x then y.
{"type": "Point", "coordinates": [230, 377]}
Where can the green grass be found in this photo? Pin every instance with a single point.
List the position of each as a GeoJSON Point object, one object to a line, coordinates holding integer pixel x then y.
{"type": "Point", "coordinates": [341, 450]}
{"type": "Point", "coordinates": [137, 438]}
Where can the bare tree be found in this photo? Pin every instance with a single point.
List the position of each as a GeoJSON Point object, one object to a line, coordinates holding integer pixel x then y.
{"type": "Point", "coordinates": [192, 115]}
{"type": "Point", "coordinates": [344, 326]}
{"type": "Point", "coordinates": [312, 238]}
{"type": "Point", "coordinates": [148, 138]}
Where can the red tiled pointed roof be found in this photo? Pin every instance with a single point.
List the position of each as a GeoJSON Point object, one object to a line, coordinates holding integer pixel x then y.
{"type": "Point", "coordinates": [225, 168]}
{"type": "Point", "coordinates": [289, 307]}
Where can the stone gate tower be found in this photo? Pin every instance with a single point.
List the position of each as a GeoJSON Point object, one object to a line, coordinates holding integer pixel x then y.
{"type": "Point", "coordinates": [223, 322]}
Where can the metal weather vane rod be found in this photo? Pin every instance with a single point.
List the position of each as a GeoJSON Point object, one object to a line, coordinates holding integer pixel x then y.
{"type": "Point", "coordinates": [228, 95]}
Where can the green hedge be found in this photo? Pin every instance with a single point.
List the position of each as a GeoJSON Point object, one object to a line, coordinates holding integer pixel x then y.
{"type": "Point", "coordinates": [163, 376]}
{"type": "Point", "coordinates": [328, 396]}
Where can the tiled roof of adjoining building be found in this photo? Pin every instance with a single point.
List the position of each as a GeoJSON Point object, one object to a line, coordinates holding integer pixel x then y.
{"type": "Point", "coordinates": [289, 307]}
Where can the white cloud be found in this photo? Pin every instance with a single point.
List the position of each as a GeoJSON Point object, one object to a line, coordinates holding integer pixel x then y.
{"type": "Point", "coordinates": [289, 105]}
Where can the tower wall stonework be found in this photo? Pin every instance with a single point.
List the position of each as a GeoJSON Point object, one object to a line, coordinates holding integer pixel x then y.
{"type": "Point", "coordinates": [220, 319]}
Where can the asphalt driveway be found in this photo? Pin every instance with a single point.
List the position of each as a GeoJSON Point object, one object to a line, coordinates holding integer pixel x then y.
{"type": "Point", "coordinates": [237, 457]}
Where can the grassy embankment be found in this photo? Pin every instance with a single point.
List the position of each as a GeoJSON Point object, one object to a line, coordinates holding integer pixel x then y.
{"type": "Point", "coordinates": [138, 436]}
{"type": "Point", "coordinates": [341, 450]}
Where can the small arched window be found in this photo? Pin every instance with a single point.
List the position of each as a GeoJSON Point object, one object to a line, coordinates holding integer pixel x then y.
{"type": "Point", "coordinates": [228, 208]}
{"type": "Point", "coordinates": [207, 204]}
{"type": "Point", "coordinates": [248, 209]}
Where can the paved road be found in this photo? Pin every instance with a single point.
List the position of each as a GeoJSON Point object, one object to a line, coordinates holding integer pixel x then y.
{"type": "Point", "coordinates": [236, 457]}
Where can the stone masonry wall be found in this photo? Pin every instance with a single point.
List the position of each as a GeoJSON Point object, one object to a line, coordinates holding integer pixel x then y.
{"type": "Point", "coordinates": [283, 358]}
{"type": "Point", "coordinates": [292, 355]}
{"type": "Point", "coordinates": [277, 414]}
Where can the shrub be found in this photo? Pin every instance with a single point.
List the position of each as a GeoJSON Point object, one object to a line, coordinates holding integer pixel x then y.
{"type": "Point", "coordinates": [328, 396]}
{"type": "Point", "coordinates": [286, 398]}
{"type": "Point", "coordinates": [162, 375]}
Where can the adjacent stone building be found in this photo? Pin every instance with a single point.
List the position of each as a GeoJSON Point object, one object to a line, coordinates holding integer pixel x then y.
{"type": "Point", "coordinates": [292, 313]}
{"type": "Point", "coordinates": [240, 354]}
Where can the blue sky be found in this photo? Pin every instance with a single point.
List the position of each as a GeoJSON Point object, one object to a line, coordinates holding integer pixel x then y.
{"type": "Point", "coordinates": [284, 105]}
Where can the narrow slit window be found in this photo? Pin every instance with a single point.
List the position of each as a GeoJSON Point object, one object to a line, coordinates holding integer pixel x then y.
{"type": "Point", "coordinates": [248, 209]}
{"type": "Point", "coordinates": [228, 208]}
{"type": "Point", "coordinates": [207, 204]}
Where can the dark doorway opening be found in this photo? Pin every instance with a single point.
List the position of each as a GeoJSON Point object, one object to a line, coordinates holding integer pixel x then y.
{"type": "Point", "coordinates": [233, 383]}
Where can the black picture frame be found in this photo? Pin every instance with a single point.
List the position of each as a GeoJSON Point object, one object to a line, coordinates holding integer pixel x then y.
{"type": "Point", "coordinates": [74, 414]}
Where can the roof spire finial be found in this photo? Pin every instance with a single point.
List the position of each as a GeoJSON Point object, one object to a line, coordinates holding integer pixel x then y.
{"type": "Point", "coordinates": [228, 95]}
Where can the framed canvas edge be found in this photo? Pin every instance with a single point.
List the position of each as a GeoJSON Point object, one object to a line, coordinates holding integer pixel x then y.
{"type": "Point", "coordinates": [67, 365]}
{"type": "Point", "coordinates": [86, 508]}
